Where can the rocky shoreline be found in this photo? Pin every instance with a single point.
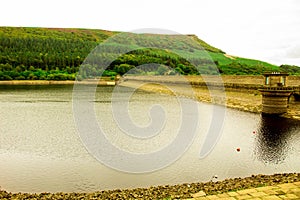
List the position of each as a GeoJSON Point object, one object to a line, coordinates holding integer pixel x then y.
{"type": "Point", "coordinates": [180, 191]}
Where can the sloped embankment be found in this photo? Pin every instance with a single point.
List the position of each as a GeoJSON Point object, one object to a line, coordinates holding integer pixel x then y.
{"type": "Point", "coordinates": [240, 91]}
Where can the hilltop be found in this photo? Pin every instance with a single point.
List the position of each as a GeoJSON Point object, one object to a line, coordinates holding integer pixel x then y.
{"type": "Point", "coordinates": [58, 54]}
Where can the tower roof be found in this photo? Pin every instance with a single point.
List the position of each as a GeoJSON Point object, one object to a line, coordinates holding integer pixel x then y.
{"type": "Point", "coordinates": [276, 74]}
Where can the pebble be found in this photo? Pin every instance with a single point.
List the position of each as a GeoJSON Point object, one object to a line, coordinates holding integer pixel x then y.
{"type": "Point", "coordinates": [179, 191]}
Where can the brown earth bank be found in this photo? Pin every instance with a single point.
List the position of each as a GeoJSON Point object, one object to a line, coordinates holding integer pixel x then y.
{"type": "Point", "coordinates": [179, 191]}
{"type": "Point", "coordinates": [45, 82]}
{"type": "Point", "coordinates": [36, 82]}
{"type": "Point", "coordinates": [239, 92]}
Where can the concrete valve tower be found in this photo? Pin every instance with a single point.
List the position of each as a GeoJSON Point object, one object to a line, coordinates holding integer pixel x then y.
{"type": "Point", "coordinates": [275, 93]}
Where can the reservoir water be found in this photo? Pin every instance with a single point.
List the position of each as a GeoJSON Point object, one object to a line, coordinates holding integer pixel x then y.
{"type": "Point", "coordinates": [41, 149]}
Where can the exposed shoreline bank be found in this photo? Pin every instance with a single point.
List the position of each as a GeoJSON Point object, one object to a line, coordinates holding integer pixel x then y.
{"type": "Point", "coordinates": [36, 82]}
{"type": "Point", "coordinates": [180, 191]}
{"type": "Point", "coordinates": [52, 82]}
{"type": "Point", "coordinates": [240, 91]}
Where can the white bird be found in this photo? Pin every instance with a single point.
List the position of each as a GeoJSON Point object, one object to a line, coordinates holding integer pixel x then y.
{"type": "Point", "coordinates": [214, 178]}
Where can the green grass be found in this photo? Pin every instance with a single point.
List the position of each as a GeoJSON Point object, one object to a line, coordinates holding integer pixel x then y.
{"type": "Point", "coordinates": [58, 53]}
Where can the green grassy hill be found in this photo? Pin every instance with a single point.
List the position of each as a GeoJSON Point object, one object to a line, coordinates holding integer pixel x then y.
{"type": "Point", "coordinates": [57, 54]}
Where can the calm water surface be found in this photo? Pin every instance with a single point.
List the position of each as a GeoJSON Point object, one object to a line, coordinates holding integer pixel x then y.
{"type": "Point", "coordinates": [40, 148]}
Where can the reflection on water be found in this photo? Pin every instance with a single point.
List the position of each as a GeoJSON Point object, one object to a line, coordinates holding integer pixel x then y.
{"type": "Point", "coordinates": [273, 138]}
{"type": "Point", "coordinates": [40, 149]}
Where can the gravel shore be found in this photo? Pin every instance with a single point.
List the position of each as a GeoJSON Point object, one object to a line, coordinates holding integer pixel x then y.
{"type": "Point", "coordinates": [180, 191]}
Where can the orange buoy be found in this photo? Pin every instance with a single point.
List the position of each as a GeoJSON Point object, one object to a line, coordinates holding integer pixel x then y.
{"type": "Point", "coordinates": [254, 132]}
{"type": "Point", "coordinates": [238, 149]}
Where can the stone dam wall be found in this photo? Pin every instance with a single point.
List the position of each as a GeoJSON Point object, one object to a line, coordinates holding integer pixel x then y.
{"type": "Point", "coordinates": [241, 91]}
{"type": "Point", "coordinates": [229, 82]}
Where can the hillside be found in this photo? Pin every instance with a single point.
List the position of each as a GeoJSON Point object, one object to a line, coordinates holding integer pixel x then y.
{"type": "Point", "coordinates": [57, 54]}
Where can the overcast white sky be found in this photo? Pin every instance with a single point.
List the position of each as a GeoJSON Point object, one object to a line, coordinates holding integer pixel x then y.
{"type": "Point", "coordinates": [267, 30]}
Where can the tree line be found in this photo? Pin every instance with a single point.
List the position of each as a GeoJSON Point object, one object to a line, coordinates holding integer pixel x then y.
{"type": "Point", "coordinates": [64, 54]}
